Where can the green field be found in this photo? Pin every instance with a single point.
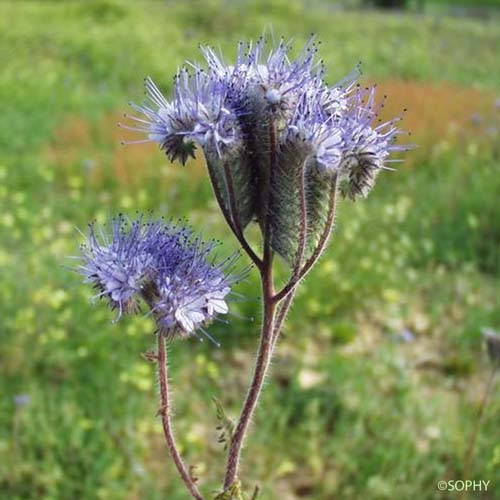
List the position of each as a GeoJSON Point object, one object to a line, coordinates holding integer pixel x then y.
{"type": "Point", "coordinates": [379, 376]}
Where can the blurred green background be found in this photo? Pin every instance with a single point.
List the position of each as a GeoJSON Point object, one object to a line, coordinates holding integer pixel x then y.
{"type": "Point", "coordinates": [380, 372]}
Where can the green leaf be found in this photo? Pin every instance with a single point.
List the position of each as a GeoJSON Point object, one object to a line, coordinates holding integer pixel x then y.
{"type": "Point", "coordinates": [226, 424]}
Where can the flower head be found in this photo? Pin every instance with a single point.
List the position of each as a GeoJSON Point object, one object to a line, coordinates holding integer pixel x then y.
{"type": "Point", "coordinates": [218, 107]}
{"type": "Point", "coordinates": [193, 293]}
{"type": "Point", "coordinates": [367, 147]}
{"type": "Point", "coordinates": [198, 114]}
{"type": "Point", "coordinates": [312, 124]}
{"type": "Point", "coordinates": [163, 265]}
{"type": "Point", "coordinates": [270, 118]}
{"type": "Point", "coordinates": [117, 264]}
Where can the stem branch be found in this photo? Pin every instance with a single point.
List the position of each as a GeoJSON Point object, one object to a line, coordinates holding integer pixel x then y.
{"type": "Point", "coordinates": [266, 340]}
{"type": "Point", "coordinates": [260, 371]}
{"type": "Point", "coordinates": [280, 319]}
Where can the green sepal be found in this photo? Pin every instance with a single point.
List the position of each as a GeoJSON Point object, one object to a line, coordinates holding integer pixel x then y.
{"type": "Point", "coordinates": [285, 204]}
{"type": "Point", "coordinates": [243, 182]}
{"type": "Point", "coordinates": [319, 188]}
{"type": "Point", "coordinates": [295, 166]}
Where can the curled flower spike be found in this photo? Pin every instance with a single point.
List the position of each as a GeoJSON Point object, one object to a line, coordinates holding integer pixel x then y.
{"type": "Point", "coordinates": [318, 130]}
{"type": "Point", "coordinates": [366, 147]}
{"type": "Point", "coordinates": [267, 74]}
{"type": "Point", "coordinates": [164, 265]}
{"type": "Point", "coordinates": [191, 289]}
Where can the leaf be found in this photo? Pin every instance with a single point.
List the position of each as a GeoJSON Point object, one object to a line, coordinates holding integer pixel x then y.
{"type": "Point", "coordinates": [232, 493]}
{"type": "Point", "coordinates": [226, 426]}
{"type": "Point", "coordinates": [256, 493]}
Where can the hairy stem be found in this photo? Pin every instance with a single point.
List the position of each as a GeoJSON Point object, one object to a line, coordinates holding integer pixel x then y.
{"type": "Point", "coordinates": [266, 340]}
{"type": "Point", "coordinates": [167, 424]}
{"type": "Point", "coordinates": [287, 294]}
{"type": "Point", "coordinates": [281, 316]}
{"type": "Point", "coordinates": [260, 371]}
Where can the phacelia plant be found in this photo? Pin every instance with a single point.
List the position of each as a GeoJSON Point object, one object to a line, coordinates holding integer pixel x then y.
{"type": "Point", "coordinates": [280, 147]}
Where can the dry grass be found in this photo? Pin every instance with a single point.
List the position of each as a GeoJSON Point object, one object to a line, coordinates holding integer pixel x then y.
{"type": "Point", "coordinates": [436, 111]}
{"type": "Point", "coordinates": [76, 141]}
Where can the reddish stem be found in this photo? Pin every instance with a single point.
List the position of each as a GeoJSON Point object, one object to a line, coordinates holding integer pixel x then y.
{"type": "Point", "coordinates": [260, 371]}
{"type": "Point", "coordinates": [266, 340]}
{"type": "Point", "coordinates": [288, 291]}
{"type": "Point", "coordinates": [280, 319]}
{"type": "Point", "coordinates": [167, 425]}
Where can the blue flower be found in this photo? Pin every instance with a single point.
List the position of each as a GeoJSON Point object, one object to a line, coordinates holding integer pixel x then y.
{"type": "Point", "coordinates": [367, 147]}
{"type": "Point", "coordinates": [314, 122]}
{"type": "Point", "coordinates": [267, 75]}
{"type": "Point", "coordinates": [219, 108]}
{"type": "Point", "coordinates": [117, 264]}
{"type": "Point", "coordinates": [191, 289]}
{"type": "Point", "coordinates": [198, 114]}
{"type": "Point", "coordinates": [163, 265]}
{"type": "Point", "coordinates": [324, 137]}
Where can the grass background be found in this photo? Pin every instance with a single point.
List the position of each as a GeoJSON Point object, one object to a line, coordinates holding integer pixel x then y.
{"type": "Point", "coordinates": [380, 373]}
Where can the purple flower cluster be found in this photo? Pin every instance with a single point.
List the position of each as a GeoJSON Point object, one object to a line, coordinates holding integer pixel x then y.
{"type": "Point", "coordinates": [219, 107]}
{"type": "Point", "coordinates": [162, 264]}
{"type": "Point", "coordinates": [197, 114]}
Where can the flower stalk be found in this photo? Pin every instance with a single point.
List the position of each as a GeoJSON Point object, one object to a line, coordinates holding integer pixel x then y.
{"type": "Point", "coordinates": [320, 247]}
{"type": "Point", "coordinates": [259, 375]}
{"type": "Point", "coordinates": [165, 414]}
{"type": "Point", "coordinates": [266, 338]}
{"type": "Point", "coordinates": [272, 325]}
